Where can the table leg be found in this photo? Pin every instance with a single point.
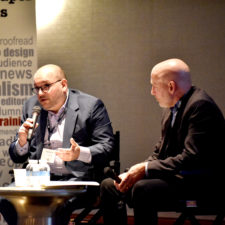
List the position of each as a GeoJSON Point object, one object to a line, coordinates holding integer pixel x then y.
{"type": "Point", "coordinates": [36, 210]}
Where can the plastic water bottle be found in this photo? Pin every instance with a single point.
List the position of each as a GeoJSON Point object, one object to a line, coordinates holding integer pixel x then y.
{"type": "Point", "coordinates": [32, 173]}
{"type": "Point", "coordinates": [44, 172]}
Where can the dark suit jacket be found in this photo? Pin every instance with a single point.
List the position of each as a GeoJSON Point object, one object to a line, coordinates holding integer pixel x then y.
{"type": "Point", "coordinates": [86, 121]}
{"type": "Point", "coordinates": [195, 146]}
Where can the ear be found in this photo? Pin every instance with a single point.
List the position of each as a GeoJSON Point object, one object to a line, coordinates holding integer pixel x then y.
{"type": "Point", "coordinates": [172, 87]}
{"type": "Point", "coordinates": [64, 84]}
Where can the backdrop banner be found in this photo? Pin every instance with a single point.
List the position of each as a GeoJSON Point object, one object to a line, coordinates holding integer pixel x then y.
{"type": "Point", "coordinates": [18, 62]}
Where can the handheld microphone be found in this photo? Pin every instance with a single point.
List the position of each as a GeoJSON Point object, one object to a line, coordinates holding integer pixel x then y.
{"type": "Point", "coordinates": [36, 112]}
{"type": "Point", "coordinates": [109, 173]}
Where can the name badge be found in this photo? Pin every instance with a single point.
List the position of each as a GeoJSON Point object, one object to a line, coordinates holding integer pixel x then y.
{"type": "Point", "coordinates": [48, 155]}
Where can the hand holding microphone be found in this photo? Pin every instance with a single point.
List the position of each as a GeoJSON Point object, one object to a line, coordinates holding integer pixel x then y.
{"type": "Point", "coordinates": [119, 184]}
{"type": "Point", "coordinates": [27, 129]}
{"type": "Point", "coordinates": [36, 112]}
{"type": "Point", "coordinates": [129, 178]}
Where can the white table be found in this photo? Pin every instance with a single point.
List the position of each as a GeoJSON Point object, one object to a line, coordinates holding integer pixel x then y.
{"type": "Point", "coordinates": [36, 206]}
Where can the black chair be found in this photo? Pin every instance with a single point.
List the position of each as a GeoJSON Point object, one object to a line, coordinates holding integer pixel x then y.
{"type": "Point", "coordinates": [206, 203]}
{"type": "Point", "coordinates": [189, 209]}
{"type": "Point", "coordinates": [84, 216]}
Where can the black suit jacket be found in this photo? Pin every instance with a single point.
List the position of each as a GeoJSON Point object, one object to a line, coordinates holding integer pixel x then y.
{"type": "Point", "coordinates": [87, 121]}
{"type": "Point", "coordinates": [195, 146]}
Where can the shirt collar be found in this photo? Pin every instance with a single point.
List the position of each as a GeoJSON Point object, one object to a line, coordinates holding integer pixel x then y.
{"type": "Point", "coordinates": [175, 107]}
{"type": "Point", "coordinates": [178, 104]}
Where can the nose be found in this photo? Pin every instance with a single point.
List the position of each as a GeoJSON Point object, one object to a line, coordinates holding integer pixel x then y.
{"type": "Point", "coordinates": [40, 92]}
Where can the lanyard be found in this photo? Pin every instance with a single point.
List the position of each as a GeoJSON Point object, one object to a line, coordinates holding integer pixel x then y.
{"type": "Point", "coordinates": [52, 129]}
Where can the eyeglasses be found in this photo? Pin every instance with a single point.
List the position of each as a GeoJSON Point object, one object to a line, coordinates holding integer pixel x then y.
{"type": "Point", "coordinates": [45, 88]}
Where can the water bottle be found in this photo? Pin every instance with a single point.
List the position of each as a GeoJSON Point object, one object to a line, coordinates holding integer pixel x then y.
{"type": "Point", "coordinates": [32, 173]}
{"type": "Point", "coordinates": [44, 171]}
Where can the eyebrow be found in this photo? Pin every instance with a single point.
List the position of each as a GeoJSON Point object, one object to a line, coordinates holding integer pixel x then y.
{"type": "Point", "coordinates": [45, 82]}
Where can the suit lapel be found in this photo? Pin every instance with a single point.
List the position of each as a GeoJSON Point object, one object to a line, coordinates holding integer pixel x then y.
{"type": "Point", "coordinates": [166, 122]}
{"type": "Point", "coordinates": [165, 132]}
{"type": "Point", "coordinates": [40, 134]}
{"type": "Point", "coordinates": [71, 119]}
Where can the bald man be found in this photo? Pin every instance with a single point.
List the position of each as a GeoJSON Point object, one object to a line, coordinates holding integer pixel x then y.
{"type": "Point", "coordinates": [187, 162]}
{"type": "Point", "coordinates": [73, 124]}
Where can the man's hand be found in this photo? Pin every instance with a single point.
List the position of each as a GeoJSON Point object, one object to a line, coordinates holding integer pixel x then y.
{"type": "Point", "coordinates": [69, 154]}
{"type": "Point", "coordinates": [128, 179]}
{"type": "Point", "coordinates": [23, 131]}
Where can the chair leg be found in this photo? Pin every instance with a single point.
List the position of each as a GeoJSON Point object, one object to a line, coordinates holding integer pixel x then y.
{"type": "Point", "coordinates": [181, 219]}
{"type": "Point", "coordinates": [219, 219]}
{"type": "Point", "coordinates": [193, 220]}
{"type": "Point", "coordinates": [95, 217]}
{"type": "Point", "coordinates": [81, 216]}
{"type": "Point", "coordinates": [186, 216]}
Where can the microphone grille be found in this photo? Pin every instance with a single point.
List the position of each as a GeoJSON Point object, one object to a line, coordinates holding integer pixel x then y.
{"type": "Point", "coordinates": [36, 109]}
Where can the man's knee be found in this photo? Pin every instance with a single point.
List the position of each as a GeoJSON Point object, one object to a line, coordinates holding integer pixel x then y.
{"type": "Point", "coordinates": [142, 191]}
{"type": "Point", "coordinates": [139, 188]}
{"type": "Point", "coordinates": [107, 186]}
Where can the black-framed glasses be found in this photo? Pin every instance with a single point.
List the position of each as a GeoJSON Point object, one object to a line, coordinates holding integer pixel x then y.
{"type": "Point", "coordinates": [45, 88]}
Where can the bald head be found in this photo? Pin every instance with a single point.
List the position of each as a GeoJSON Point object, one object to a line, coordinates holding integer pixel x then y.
{"type": "Point", "coordinates": [170, 80]}
{"type": "Point", "coordinates": [50, 70]}
{"type": "Point", "coordinates": [175, 70]}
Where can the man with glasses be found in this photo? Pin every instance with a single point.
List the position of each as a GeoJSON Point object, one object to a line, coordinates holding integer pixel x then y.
{"type": "Point", "coordinates": [74, 124]}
